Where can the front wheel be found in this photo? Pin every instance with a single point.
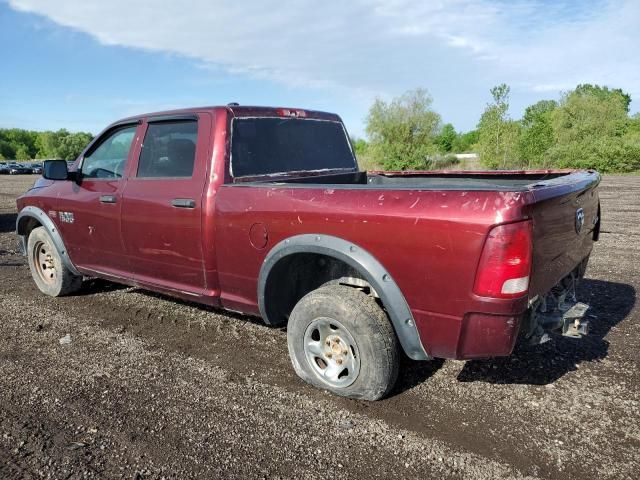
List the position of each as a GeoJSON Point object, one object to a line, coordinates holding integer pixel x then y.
{"type": "Point", "coordinates": [47, 269]}
{"type": "Point", "coordinates": [341, 340]}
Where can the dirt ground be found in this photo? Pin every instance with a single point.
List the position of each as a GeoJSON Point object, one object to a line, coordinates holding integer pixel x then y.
{"type": "Point", "coordinates": [151, 387]}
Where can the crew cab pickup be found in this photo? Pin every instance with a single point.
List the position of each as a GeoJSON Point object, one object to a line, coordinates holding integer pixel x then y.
{"type": "Point", "coordinates": [264, 211]}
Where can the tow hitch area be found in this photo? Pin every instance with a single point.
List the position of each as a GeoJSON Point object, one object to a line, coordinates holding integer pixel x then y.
{"type": "Point", "coordinates": [573, 322]}
{"type": "Point", "coordinates": [557, 312]}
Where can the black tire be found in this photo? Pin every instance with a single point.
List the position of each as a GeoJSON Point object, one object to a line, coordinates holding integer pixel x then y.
{"type": "Point", "coordinates": [47, 269]}
{"type": "Point", "coordinates": [348, 310]}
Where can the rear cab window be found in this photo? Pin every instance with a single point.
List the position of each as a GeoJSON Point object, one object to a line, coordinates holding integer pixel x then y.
{"type": "Point", "coordinates": [275, 145]}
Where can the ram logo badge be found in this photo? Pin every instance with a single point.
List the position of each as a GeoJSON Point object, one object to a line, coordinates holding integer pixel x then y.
{"type": "Point", "coordinates": [579, 219]}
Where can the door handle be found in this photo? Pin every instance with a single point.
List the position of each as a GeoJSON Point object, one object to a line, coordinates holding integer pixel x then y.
{"type": "Point", "coordinates": [183, 202]}
{"type": "Point", "coordinates": [108, 198]}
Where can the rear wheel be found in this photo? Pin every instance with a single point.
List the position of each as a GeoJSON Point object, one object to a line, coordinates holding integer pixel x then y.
{"type": "Point", "coordinates": [47, 269]}
{"type": "Point", "coordinates": [341, 340]}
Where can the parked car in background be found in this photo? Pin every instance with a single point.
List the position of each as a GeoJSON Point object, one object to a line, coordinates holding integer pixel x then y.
{"type": "Point", "coordinates": [36, 168]}
{"type": "Point", "coordinates": [4, 168]}
{"type": "Point", "coordinates": [18, 169]}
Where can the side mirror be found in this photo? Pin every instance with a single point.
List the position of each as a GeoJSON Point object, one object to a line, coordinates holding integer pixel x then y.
{"type": "Point", "coordinates": [55, 170]}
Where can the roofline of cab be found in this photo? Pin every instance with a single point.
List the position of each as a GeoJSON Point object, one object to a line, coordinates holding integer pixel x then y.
{"type": "Point", "coordinates": [235, 110]}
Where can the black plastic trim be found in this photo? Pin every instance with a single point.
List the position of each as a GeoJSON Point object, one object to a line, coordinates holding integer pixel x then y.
{"type": "Point", "coordinates": [122, 123]}
{"type": "Point", "coordinates": [365, 263]}
{"type": "Point", "coordinates": [46, 222]}
{"type": "Point", "coordinates": [169, 118]}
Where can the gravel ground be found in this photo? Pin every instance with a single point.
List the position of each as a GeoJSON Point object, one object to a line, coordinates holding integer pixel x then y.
{"type": "Point", "coordinates": [118, 382]}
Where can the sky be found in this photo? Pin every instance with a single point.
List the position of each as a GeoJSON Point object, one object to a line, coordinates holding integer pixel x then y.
{"type": "Point", "coordinates": [81, 64]}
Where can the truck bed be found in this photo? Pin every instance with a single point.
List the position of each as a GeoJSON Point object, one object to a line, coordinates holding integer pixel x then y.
{"type": "Point", "coordinates": [506, 181]}
{"type": "Point", "coordinates": [427, 228]}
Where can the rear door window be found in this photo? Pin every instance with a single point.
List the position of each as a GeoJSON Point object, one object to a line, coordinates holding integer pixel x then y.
{"type": "Point", "coordinates": [168, 150]}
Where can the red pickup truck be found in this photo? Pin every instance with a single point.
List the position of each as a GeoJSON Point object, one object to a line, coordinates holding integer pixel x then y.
{"type": "Point", "coordinates": [264, 211]}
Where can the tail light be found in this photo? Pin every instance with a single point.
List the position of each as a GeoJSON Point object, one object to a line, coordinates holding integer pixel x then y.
{"type": "Point", "coordinates": [505, 263]}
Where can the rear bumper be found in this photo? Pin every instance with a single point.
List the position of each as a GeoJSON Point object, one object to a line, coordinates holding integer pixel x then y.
{"type": "Point", "coordinates": [475, 335]}
{"type": "Point", "coordinates": [494, 332]}
{"type": "Point", "coordinates": [485, 335]}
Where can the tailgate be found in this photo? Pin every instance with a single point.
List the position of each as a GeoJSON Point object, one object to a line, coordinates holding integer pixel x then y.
{"type": "Point", "coordinates": [565, 213]}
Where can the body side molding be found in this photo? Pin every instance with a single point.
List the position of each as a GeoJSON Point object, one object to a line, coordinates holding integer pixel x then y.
{"type": "Point", "coordinates": [367, 265]}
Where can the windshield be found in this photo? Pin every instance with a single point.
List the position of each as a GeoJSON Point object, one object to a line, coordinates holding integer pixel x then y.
{"type": "Point", "coordinates": [263, 146]}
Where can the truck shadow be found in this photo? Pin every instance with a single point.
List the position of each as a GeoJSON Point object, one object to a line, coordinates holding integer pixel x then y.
{"type": "Point", "coordinates": [8, 222]}
{"type": "Point", "coordinates": [97, 285]}
{"type": "Point", "coordinates": [414, 373]}
{"type": "Point", "coordinates": [610, 303]}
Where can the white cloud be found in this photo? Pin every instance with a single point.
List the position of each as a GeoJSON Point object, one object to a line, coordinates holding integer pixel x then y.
{"type": "Point", "coordinates": [363, 48]}
{"type": "Point", "coordinates": [553, 87]}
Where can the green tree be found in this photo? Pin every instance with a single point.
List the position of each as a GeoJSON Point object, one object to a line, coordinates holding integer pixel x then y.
{"type": "Point", "coordinates": [592, 129]}
{"type": "Point", "coordinates": [71, 145]}
{"type": "Point", "coordinates": [402, 132]}
{"type": "Point", "coordinates": [587, 114]}
{"type": "Point", "coordinates": [498, 134]}
{"type": "Point", "coordinates": [633, 128]}
{"type": "Point", "coordinates": [6, 149]}
{"type": "Point", "coordinates": [21, 142]}
{"type": "Point", "coordinates": [604, 94]}
{"type": "Point", "coordinates": [466, 142]}
{"type": "Point", "coordinates": [22, 153]}
{"type": "Point", "coordinates": [537, 132]}
{"type": "Point", "coordinates": [359, 145]}
{"type": "Point", "coordinates": [47, 143]}
{"type": "Point", "coordinates": [446, 138]}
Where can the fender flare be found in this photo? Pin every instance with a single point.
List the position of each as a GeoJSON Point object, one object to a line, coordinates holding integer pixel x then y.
{"type": "Point", "coordinates": [44, 220]}
{"type": "Point", "coordinates": [363, 262]}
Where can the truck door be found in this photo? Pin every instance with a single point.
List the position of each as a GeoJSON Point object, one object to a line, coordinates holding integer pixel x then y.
{"type": "Point", "coordinates": [89, 208]}
{"type": "Point", "coordinates": [162, 203]}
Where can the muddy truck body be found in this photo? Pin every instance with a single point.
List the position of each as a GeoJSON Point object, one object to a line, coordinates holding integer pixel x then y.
{"type": "Point", "coordinates": [264, 211]}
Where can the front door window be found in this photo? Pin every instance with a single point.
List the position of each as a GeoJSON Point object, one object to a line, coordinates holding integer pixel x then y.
{"type": "Point", "coordinates": [109, 158]}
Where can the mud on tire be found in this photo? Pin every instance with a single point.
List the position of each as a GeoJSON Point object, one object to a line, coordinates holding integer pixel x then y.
{"type": "Point", "coordinates": [47, 269]}
{"type": "Point", "coordinates": [341, 340]}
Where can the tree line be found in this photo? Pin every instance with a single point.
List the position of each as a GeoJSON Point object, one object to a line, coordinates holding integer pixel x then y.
{"type": "Point", "coordinates": [18, 144]}
{"type": "Point", "coordinates": [588, 127]}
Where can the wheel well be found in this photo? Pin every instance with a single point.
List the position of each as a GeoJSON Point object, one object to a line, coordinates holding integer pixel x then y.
{"type": "Point", "coordinates": [26, 225]}
{"type": "Point", "coordinates": [295, 275]}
